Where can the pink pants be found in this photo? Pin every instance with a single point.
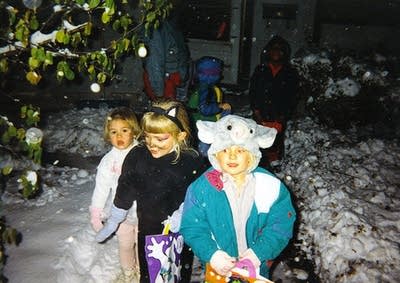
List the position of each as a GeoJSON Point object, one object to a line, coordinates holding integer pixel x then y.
{"type": "Point", "coordinates": [128, 240]}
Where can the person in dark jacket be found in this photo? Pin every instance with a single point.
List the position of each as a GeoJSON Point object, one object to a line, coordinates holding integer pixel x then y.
{"type": "Point", "coordinates": [156, 175]}
{"type": "Point", "coordinates": [166, 65]}
{"type": "Point", "coordinates": [273, 91]}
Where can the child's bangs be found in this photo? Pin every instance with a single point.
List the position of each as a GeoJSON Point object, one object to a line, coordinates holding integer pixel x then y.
{"type": "Point", "coordinates": [158, 124]}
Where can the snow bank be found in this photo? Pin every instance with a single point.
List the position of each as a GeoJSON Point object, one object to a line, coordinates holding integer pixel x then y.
{"type": "Point", "coordinates": [348, 201]}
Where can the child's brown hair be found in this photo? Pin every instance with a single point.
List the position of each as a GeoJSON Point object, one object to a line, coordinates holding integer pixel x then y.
{"type": "Point", "coordinates": [122, 113]}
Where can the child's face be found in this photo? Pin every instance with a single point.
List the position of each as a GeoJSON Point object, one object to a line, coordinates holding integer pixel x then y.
{"type": "Point", "coordinates": [159, 144]}
{"type": "Point", "coordinates": [234, 161]}
{"type": "Point", "coordinates": [276, 53]}
{"type": "Point", "coordinates": [120, 134]}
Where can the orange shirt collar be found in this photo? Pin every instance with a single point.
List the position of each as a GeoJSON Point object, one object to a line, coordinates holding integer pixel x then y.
{"type": "Point", "coordinates": [274, 69]}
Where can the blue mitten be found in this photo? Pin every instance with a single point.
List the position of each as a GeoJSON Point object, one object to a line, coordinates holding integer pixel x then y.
{"type": "Point", "coordinates": [117, 216]}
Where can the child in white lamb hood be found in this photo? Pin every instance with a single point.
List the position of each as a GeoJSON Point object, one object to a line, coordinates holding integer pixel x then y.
{"type": "Point", "coordinates": [237, 210]}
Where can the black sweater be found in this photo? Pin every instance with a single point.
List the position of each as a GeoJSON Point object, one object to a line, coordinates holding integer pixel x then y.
{"type": "Point", "coordinates": [273, 97]}
{"type": "Point", "coordinates": [157, 184]}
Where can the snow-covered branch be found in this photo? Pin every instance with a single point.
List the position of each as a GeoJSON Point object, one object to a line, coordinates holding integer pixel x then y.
{"type": "Point", "coordinates": [38, 38]}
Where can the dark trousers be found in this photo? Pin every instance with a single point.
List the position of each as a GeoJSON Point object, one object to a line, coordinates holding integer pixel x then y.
{"type": "Point", "coordinates": [273, 153]}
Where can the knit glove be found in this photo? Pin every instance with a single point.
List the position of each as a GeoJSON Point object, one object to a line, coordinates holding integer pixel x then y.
{"type": "Point", "coordinates": [250, 255]}
{"type": "Point", "coordinates": [95, 218]}
{"type": "Point", "coordinates": [117, 216]}
{"type": "Point", "coordinates": [222, 263]}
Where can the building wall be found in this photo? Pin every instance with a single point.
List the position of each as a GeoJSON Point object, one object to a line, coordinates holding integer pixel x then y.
{"type": "Point", "coordinates": [362, 38]}
{"type": "Point", "coordinates": [356, 24]}
{"type": "Point", "coordinates": [291, 19]}
{"type": "Point", "coordinates": [359, 25]}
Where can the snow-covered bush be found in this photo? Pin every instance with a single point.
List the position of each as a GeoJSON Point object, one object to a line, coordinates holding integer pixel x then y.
{"type": "Point", "coordinates": [8, 235]}
{"type": "Point", "coordinates": [21, 149]}
{"type": "Point", "coordinates": [344, 90]}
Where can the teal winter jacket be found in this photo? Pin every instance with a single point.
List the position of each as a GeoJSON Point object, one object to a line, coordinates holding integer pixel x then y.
{"type": "Point", "coordinates": [207, 222]}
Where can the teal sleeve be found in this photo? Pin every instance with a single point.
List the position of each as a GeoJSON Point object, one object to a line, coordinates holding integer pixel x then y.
{"type": "Point", "coordinates": [277, 232]}
{"type": "Point", "coordinates": [194, 226]}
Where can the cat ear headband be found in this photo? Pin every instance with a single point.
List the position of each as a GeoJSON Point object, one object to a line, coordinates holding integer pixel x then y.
{"type": "Point", "coordinates": [170, 113]}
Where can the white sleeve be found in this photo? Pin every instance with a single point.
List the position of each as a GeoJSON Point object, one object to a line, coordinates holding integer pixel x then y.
{"type": "Point", "coordinates": [104, 182]}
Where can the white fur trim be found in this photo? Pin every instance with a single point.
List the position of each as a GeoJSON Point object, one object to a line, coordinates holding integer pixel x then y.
{"type": "Point", "coordinates": [235, 130]}
{"type": "Point", "coordinates": [267, 191]}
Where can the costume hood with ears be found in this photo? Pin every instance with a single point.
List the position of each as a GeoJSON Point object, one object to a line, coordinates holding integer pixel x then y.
{"type": "Point", "coordinates": [235, 130]}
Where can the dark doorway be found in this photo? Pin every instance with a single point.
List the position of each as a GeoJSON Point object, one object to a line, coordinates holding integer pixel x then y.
{"type": "Point", "coordinates": [246, 43]}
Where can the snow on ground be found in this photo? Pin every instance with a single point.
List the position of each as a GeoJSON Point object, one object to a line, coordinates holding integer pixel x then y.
{"type": "Point", "coordinates": [349, 201]}
{"type": "Point", "coordinates": [346, 189]}
{"type": "Point", "coordinates": [58, 242]}
{"type": "Point", "coordinates": [347, 196]}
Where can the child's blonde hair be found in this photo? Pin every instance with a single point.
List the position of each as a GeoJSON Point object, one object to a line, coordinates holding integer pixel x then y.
{"type": "Point", "coordinates": [159, 120]}
{"type": "Point", "coordinates": [121, 113]}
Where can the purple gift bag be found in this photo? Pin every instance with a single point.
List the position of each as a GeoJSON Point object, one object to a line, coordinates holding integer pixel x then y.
{"type": "Point", "coordinates": [163, 255]}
